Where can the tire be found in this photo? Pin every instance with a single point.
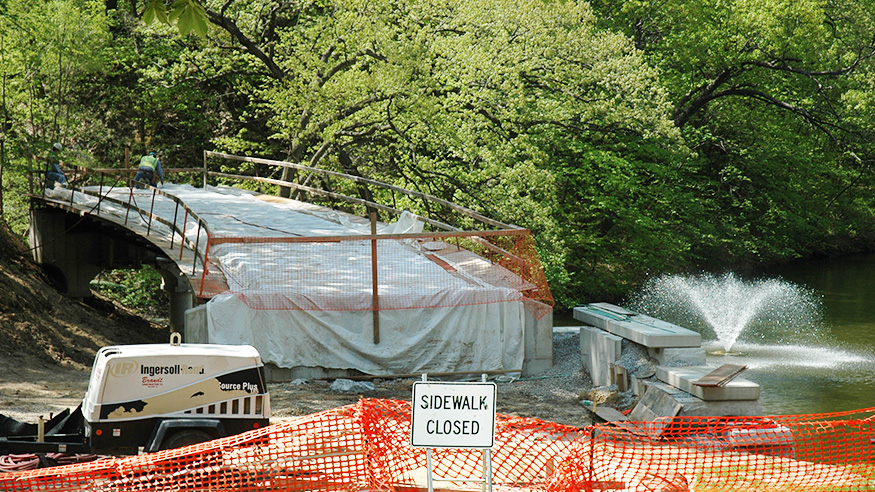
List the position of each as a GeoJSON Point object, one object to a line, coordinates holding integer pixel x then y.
{"type": "Point", "coordinates": [185, 437]}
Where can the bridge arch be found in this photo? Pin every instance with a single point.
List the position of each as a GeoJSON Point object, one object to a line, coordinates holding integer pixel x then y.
{"type": "Point", "coordinates": [74, 248]}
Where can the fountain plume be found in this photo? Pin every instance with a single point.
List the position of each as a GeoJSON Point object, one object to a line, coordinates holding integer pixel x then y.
{"type": "Point", "coordinates": [770, 310]}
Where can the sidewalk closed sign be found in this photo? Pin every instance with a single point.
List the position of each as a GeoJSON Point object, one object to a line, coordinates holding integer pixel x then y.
{"type": "Point", "coordinates": [453, 415]}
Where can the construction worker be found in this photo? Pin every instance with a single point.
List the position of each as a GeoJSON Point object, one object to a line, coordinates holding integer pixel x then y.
{"type": "Point", "coordinates": [54, 174]}
{"type": "Point", "coordinates": [148, 168]}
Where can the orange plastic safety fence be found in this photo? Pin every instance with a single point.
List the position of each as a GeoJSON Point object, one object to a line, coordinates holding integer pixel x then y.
{"type": "Point", "coordinates": [324, 451]}
{"type": "Point", "coordinates": [383, 272]}
{"type": "Point", "coordinates": [366, 446]}
{"type": "Point", "coordinates": [209, 281]}
{"type": "Point", "coordinates": [775, 453]}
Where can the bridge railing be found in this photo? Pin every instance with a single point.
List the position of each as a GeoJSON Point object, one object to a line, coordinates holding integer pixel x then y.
{"type": "Point", "coordinates": [129, 204]}
{"type": "Point", "coordinates": [508, 246]}
{"type": "Point", "coordinates": [427, 200]}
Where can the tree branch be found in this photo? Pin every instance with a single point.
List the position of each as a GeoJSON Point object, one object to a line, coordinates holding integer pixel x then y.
{"type": "Point", "coordinates": [684, 112]}
{"type": "Point", "coordinates": [228, 25]}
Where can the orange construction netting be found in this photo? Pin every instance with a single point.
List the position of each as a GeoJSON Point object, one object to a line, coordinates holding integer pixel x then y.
{"type": "Point", "coordinates": [366, 446]}
{"type": "Point", "coordinates": [381, 272]}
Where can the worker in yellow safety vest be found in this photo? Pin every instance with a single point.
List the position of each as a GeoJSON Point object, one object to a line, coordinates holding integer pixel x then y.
{"type": "Point", "coordinates": [149, 167]}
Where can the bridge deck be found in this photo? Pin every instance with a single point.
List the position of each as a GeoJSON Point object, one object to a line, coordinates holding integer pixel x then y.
{"type": "Point", "coordinates": [261, 243]}
{"type": "Point", "coordinates": [175, 248]}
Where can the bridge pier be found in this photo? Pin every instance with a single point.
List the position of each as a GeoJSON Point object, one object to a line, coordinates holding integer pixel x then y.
{"type": "Point", "coordinates": [177, 287]}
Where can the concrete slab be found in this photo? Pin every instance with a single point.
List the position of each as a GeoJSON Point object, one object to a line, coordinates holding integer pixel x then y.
{"type": "Point", "coordinates": [195, 330]}
{"type": "Point", "coordinates": [538, 338]}
{"type": "Point", "coordinates": [670, 356]}
{"type": "Point", "coordinates": [696, 407]}
{"type": "Point", "coordinates": [683, 377]}
{"type": "Point", "coordinates": [655, 403]}
{"type": "Point", "coordinates": [692, 406]}
{"type": "Point", "coordinates": [638, 385]}
{"type": "Point", "coordinates": [639, 328]}
{"type": "Point", "coordinates": [598, 350]}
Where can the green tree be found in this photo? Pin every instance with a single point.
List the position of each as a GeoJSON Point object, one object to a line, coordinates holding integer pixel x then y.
{"type": "Point", "coordinates": [48, 51]}
{"type": "Point", "coordinates": [763, 92]}
{"type": "Point", "coordinates": [470, 101]}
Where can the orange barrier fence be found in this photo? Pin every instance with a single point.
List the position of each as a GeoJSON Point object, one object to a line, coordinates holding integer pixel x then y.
{"type": "Point", "coordinates": [366, 446]}
{"type": "Point", "coordinates": [340, 273]}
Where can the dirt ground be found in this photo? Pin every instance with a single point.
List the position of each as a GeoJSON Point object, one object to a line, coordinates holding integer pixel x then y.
{"type": "Point", "coordinates": [42, 389]}
{"type": "Point", "coordinates": [48, 343]}
{"type": "Point", "coordinates": [554, 395]}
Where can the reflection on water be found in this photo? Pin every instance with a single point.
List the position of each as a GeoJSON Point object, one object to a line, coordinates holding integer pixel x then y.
{"type": "Point", "coordinates": [838, 374]}
{"type": "Point", "coordinates": [797, 379]}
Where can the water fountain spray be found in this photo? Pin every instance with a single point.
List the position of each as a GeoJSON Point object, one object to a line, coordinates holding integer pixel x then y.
{"type": "Point", "coordinates": [771, 310]}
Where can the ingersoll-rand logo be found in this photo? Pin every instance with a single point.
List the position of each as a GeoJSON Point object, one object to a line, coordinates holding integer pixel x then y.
{"type": "Point", "coordinates": [124, 368]}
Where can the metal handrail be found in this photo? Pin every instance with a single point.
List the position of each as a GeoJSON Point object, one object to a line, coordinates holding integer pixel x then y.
{"type": "Point", "coordinates": [331, 194]}
{"type": "Point", "coordinates": [130, 204]}
{"type": "Point", "coordinates": [357, 179]}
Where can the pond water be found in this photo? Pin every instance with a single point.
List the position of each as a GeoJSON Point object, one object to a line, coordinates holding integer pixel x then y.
{"type": "Point", "coordinates": [838, 372]}
{"type": "Point", "coordinates": [824, 363]}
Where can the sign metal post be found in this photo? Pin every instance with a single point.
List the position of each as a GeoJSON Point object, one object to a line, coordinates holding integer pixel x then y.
{"type": "Point", "coordinates": [454, 415]}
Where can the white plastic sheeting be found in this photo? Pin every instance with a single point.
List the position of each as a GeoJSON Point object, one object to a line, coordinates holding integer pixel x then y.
{"type": "Point", "coordinates": [462, 338]}
{"type": "Point", "coordinates": [314, 323]}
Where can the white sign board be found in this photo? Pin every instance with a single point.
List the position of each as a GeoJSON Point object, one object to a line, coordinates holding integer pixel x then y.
{"type": "Point", "coordinates": [453, 415]}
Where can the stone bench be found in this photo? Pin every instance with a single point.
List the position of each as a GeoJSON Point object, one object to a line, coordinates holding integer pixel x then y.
{"type": "Point", "coordinates": [641, 329]}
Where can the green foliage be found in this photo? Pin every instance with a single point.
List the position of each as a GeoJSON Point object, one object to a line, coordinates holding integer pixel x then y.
{"type": "Point", "coordinates": [138, 289]}
{"type": "Point", "coordinates": [47, 50]}
{"type": "Point", "coordinates": [188, 16]}
{"type": "Point", "coordinates": [16, 206]}
{"type": "Point", "coordinates": [769, 97]}
{"type": "Point", "coordinates": [632, 136]}
{"type": "Point", "coordinates": [469, 101]}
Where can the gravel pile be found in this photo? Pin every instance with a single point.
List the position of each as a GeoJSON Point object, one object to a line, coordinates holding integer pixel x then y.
{"type": "Point", "coordinates": [566, 378]}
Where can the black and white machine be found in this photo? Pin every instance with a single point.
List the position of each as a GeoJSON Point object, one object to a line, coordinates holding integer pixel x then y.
{"type": "Point", "coordinates": [145, 398]}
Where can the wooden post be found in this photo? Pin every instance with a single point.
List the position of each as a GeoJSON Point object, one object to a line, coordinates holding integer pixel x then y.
{"type": "Point", "coordinates": [374, 279]}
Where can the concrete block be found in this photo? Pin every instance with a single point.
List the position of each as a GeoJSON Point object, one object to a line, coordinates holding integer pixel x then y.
{"type": "Point", "coordinates": [697, 407]}
{"type": "Point", "coordinates": [196, 325]}
{"type": "Point", "coordinates": [683, 377]}
{"type": "Point", "coordinates": [654, 404]}
{"type": "Point", "coordinates": [638, 386]}
{"type": "Point", "coordinates": [639, 328]}
{"type": "Point", "coordinates": [669, 389]}
{"type": "Point", "coordinates": [538, 338]}
{"type": "Point", "coordinates": [598, 350]}
{"type": "Point", "coordinates": [669, 356]}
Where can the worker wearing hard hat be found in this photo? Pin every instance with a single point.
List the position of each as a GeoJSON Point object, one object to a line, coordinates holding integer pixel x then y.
{"type": "Point", "coordinates": [149, 168]}
{"type": "Point", "coordinates": [54, 174]}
